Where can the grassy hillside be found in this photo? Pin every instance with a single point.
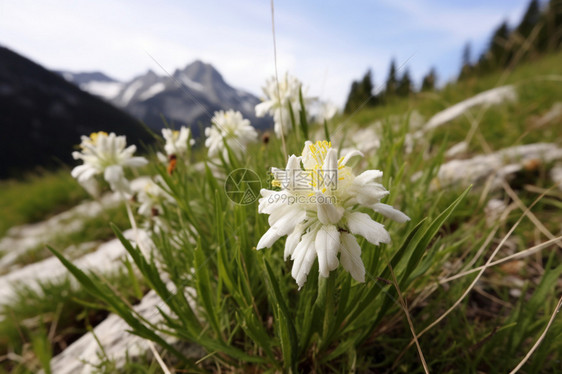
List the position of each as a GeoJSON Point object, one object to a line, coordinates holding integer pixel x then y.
{"type": "Point", "coordinates": [538, 86]}
{"type": "Point", "coordinates": [251, 317]}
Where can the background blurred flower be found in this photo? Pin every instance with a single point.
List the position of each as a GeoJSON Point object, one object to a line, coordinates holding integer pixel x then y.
{"type": "Point", "coordinates": [231, 128]}
{"type": "Point", "coordinates": [177, 142]}
{"type": "Point", "coordinates": [277, 99]}
{"type": "Point", "coordinates": [107, 154]}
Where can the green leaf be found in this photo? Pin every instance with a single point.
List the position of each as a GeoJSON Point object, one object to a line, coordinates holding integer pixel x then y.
{"type": "Point", "coordinates": [284, 322]}
{"type": "Point", "coordinates": [303, 117]}
{"type": "Point", "coordinates": [426, 236]}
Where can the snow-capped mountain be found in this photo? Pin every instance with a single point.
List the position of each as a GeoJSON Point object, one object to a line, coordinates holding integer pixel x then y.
{"type": "Point", "coordinates": [96, 83]}
{"type": "Point", "coordinates": [140, 88]}
{"type": "Point", "coordinates": [189, 96]}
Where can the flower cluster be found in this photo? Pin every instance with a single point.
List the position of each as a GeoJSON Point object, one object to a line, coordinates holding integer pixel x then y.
{"type": "Point", "coordinates": [231, 128]}
{"type": "Point", "coordinates": [108, 155]}
{"type": "Point", "coordinates": [152, 199]}
{"type": "Point", "coordinates": [278, 98]}
{"type": "Point", "coordinates": [325, 226]}
{"type": "Point", "coordinates": [177, 142]}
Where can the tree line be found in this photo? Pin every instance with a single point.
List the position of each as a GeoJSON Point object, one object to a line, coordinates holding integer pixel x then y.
{"type": "Point", "coordinates": [539, 32]}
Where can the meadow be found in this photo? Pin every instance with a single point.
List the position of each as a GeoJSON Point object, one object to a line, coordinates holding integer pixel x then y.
{"type": "Point", "coordinates": [461, 286]}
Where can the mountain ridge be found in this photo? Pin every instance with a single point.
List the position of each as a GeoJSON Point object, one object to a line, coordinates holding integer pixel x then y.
{"type": "Point", "coordinates": [188, 97]}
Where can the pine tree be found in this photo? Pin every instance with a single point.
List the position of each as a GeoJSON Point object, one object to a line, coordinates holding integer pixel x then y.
{"type": "Point", "coordinates": [429, 80]}
{"type": "Point", "coordinates": [466, 67]}
{"type": "Point", "coordinates": [554, 24]}
{"type": "Point", "coordinates": [392, 81]}
{"type": "Point", "coordinates": [405, 85]}
{"type": "Point", "coordinates": [528, 23]}
{"type": "Point", "coordinates": [350, 104]}
{"type": "Point", "coordinates": [361, 94]}
{"type": "Point", "coordinates": [500, 51]}
{"type": "Point", "coordinates": [367, 85]}
{"type": "Point", "coordinates": [529, 20]}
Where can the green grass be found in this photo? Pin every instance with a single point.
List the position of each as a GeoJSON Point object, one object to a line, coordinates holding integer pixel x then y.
{"type": "Point", "coordinates": [250, 317]}
{"type": "Point", "coordinates": [355, 326]}
{"type": "Point", "coordinates": [37, 197]}
{"type": "Point", "coordinates": [44, 323]}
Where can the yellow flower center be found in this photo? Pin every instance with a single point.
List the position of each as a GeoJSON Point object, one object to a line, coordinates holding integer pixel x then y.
{"type": "Point", "coordinates": [319, 151]}
{"type": "Point", "coordinates": [95, 135]}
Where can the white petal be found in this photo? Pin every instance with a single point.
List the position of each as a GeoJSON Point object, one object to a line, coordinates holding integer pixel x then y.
{"type": "Point", "coordinates": [328, 213]}
{"type": "Point", "coordinates": [284, 225]}
{"type": "Point", "coordinates": [390, 212]}
{"type": "Point", "coordinates": [370, 193]}
{"type": "Point", "coordinates": [303, 257]}
{"type": "Point", "coordinates": [351, 257]}
{"type": "Point", "coordinates": [84, 172]}
{"type": "Point", "coordinates": [78, 170]}
{"type": "Point", "coordinates": [286, 218]}
{"type": "Point", "coordinates": [362, 224]}
{"type": "Point", "coordinates": [272, 200]}
{"type": "Point", "coordinates": [351, 155]}
{"type": "Point", "coordinates": [367, 176]}
{"type": "Point", "coordinates": [331, 161]}
{"type": "Point", "coordinates": [327, 245]}
{"type": "Point", "coordinates": [163, 159]}
{"type": "Point", "coordinates": [293, 240]}
{"type": "Point", "coordinates": [115, 177]}
{"type": "Point", "coordinates": [263, 108]}
{"type": "Point", "coordinates": [91, 186]}
{"type": "Point", "coordinates": [135, 162]}
{"type": "Point", "coordinates": [268, 238]}
{"type": "Point", "coordinates": [307, 158]}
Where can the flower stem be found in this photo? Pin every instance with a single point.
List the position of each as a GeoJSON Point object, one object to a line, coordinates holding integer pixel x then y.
{"type": "Point", "coordinates": [328, 287]}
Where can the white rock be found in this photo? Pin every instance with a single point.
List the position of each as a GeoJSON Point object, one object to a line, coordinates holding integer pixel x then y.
{"type": "Point", "coordinates": [496, 95]}
{"type": "Point", "coordinates": [497, 164]}
{"type": "Point", "coordinates": [457, 149]}
{"type": "Point", "coordinates": [105, 259]}
{"type": "Point", "coordinates": [84, 355]}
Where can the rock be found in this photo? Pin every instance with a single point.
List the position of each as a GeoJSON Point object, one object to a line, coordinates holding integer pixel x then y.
{"type": "Point", "coordinates": [497, 95]}
{"type": "Point", "coordinates": [105, 259]}
{"type": "Point", "coordinates": [457, 149]}
{"type": "Point", "coordinates": [84, 355]}
{"type": "Point", "coordinates": [497, 165]}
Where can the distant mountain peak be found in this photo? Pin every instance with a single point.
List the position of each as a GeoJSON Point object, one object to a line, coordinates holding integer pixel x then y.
{"type": "Point", "coordinates": [150, 73]}
{"type": "Point", "coordinates": [186, 98]}
{"type": "Point", "coordinates": [201, 72]}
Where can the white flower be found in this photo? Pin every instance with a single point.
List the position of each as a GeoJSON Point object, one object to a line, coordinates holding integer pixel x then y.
{"type": "Point", "coordinates": [106, 154]}
{"type": "Point", "coordinates": [317, 208]}
{"type": "Point", "coordinates": [152, 197]}
{"type": "Point", "coordinates": [326, 111]}
{"type": "Point", "coordinates": [277, 100]}
{"type": "Point", "coordinates": [177, 141]}
{"type": "Point", "coordinates": [231, 128]}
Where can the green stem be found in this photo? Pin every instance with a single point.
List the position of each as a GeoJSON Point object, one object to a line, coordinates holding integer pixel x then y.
{"type": "Point", "coordinates": [328, 285]}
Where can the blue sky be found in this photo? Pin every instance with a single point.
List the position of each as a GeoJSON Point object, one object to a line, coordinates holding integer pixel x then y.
{"type": "Point", "coordinates": [326, 44]}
